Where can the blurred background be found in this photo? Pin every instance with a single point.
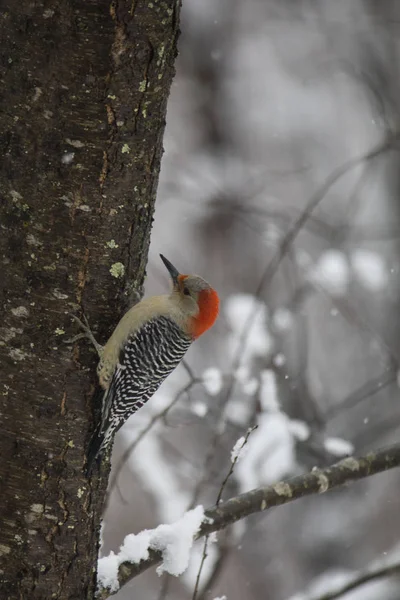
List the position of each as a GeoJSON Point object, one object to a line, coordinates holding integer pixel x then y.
{"type": "Point", "coordinates": [280, 110]}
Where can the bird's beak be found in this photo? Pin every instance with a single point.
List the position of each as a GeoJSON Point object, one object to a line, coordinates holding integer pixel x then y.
{"type": "Point", "coordinates": [171, 269]}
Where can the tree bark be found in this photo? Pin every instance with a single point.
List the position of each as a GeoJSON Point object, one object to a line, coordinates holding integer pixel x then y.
{"type": "Point", "coordinates": [82, 115]}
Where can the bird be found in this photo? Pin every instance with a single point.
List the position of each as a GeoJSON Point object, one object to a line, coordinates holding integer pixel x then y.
{"type": "Point", "coordinates": [148, 343]}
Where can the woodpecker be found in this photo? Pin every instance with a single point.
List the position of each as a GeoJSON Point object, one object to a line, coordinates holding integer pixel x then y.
{"type": "Point", "coordinates": [148, 343]}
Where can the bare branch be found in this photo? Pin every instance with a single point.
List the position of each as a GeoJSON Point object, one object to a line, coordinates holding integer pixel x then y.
{"type": "Point", "coordinates": [319, 195]}
{"type": "Point", "coordinates": [359, 580]}
{"type": "Point", "coordinates": [219, 498]}
{"type": "Point", "coordinates": [317, 481]}
{"type": "Point", "coordinates": [366, 390]}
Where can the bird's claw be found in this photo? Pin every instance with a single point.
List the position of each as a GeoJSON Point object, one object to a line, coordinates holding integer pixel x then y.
{"type": "Point", "coordinates": [87, 334]}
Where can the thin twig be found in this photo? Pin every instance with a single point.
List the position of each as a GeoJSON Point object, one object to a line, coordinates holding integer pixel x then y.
{"type": "Point", "coordinates": [366, 390]}
{"type": "Point", "coordinates": [164, 587]}
{"type": "Point", "coordinates": [221, 490]}
{"type": "Point", "coordinates": [233, 464]}
{"type": "Point", "coordinates": [359, 580]}
{"type": "Point", "coordinates": [223, 549]}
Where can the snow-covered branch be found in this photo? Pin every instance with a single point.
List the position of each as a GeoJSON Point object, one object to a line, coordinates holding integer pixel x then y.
{"type": "Point", "coordinates": [218, 517]}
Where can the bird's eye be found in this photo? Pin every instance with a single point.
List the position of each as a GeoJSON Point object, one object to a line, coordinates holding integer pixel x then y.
{"type": "Point", "coordinates": [186, 291]}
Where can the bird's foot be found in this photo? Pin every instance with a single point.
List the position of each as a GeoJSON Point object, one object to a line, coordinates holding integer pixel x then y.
{"type": "Point", "coordinates": [87, 334]}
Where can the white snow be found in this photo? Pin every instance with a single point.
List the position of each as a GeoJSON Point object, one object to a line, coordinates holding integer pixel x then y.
{"type": "Point", "coordinates": [199, 408]}
{"type": "Point", "coordinates": [338, 446]}
{"type": "Point", "coordinates": [101, 535]}
{"type": "Point", "coordinates": [242, 374]}
{"type": "Point", "coordinates": [370, 269]}
{"type": "Point", "coordinates": [107, 571]}
{"type": "Point", "coordinates": [244, 311]}
{"type": "Point", "coordinates": [279, 359]}
{"type": "Point", "coordinates": [270, 453]}
{"type": "Point", "coordinates": [221, 598]}
{"type": "Point", "coordinates": [299, 429]}
{"type": "Point", "coordinates": [151, 465]}
{"type": "Point", "coordinates": [248, 383]}
{"type": "Point", "coordinates": [268, 391]}
{"type": "Point", "coordinates": [270, 450]}
{"type": "Point", "coordinates": [238, 411]}
{"type": "Point", "coordinates": [212, 381]}
{"type": "Point", "coordinates": [174, 541]}
{"type": "Point", "coordinates": [282, 320]}
{"type": "Point", "coordinates": [332, 272]}
{"type": "Point", "coordinates": [135, 547]}
{"type": "Point", "coordinates": [239, 449]}
{"type": "Point", "coordinates": [250, 387]}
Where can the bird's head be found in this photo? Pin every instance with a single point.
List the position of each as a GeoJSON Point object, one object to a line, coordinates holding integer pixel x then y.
{"type": "Point", "coordinates": [196, 299]}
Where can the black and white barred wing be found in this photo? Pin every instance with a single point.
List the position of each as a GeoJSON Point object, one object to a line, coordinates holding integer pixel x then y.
{"type": "Point", "coordinates": [147, 359]}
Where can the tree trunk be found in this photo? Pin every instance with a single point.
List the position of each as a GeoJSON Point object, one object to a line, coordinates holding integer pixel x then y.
{"type": "Point", "coordinates": [82, 114]}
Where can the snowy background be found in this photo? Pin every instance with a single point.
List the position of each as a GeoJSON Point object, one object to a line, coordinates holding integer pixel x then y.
{"type": "Point", "coordinates": [272, 101]}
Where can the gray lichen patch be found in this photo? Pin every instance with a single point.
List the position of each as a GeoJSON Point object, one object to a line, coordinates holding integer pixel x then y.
{"type": "Point", "coordinates": [31, 240]}
{"type": "Point", "coordinates": [283, 489]}
{"type": "Point", "coordinates": [35, 513]}
{"type": "Point", "coordinates": [350, 463]}
{"type": "Point", "coordinates": [20, 311]}
{"type": "Point", "coordinates": [7, 334]}
{"type": "Point", "coordinates": [111, 244]}
{"type": "Point", "coordinates": [323, 481]}
{"type": "Point", "coordinates": [16, 196]}
{"type": "Point", "coordinates": [117, 270]}
{"type": "Point", "coordinates": [37, 93]}
{"type": "Point", "coordinates": [18, 354]}
{"type": "Point", "coordinates": [75, 143]}
{"type": "Point", "coordinates": [59, 295]}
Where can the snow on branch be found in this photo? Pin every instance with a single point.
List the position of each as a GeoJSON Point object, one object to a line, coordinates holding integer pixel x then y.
{"type": "Point", "coordinates": [317, 481]}
{"type": "Point", "coordinates": [172, 542]}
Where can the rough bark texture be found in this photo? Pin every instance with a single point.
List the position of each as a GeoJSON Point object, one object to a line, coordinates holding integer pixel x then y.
{"type": "Point", "coordinates": [82, 113]}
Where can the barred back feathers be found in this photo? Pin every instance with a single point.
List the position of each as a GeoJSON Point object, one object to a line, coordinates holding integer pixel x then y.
{"type": "Point", "coordinates": [146, 346]}
{"type": "Point", "coordinates": [148, 357]}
